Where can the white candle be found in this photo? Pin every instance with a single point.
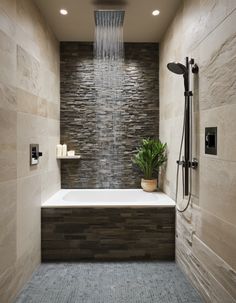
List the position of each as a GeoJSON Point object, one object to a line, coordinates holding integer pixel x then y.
{"type": "Point", "coordinates": [59, 150]}
{"type": "Point", "coordinates": [70, 153]}
{"type": "Point", "coordinates": [64, 150]}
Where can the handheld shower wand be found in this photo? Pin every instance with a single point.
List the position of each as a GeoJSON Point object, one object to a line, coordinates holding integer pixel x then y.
{"type": "Point", "coordinates": [187, 163]}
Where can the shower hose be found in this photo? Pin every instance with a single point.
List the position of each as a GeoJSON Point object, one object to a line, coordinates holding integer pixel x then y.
{"type": "Point", "coordinates": [179, 159]}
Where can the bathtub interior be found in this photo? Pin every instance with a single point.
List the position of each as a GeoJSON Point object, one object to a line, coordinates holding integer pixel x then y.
{"type": "Point", "coordinates": [107, 197]}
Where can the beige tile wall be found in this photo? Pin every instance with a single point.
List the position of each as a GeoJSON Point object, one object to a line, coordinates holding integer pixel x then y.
{"type": "Point", "coordinates": [29, 113]}
{"type": "Point", "coordinates": [206, 233]}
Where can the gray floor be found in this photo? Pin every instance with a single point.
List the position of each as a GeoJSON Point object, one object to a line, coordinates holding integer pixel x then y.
{"type": "Point", "coordinates": [110, 282]}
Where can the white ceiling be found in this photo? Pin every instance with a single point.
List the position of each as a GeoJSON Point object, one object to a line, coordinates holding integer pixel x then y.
{"type": "Point", "coordinates": [139, 24]}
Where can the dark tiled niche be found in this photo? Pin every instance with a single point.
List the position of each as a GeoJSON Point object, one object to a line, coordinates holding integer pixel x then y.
{"type": "Point", "coordinates": [106, 128]}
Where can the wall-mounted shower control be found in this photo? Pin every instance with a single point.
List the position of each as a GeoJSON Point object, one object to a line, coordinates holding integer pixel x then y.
{"type": "Point", "coordinates": [34, 154]}
{"type": "Point", "coordinates": [211, 140]}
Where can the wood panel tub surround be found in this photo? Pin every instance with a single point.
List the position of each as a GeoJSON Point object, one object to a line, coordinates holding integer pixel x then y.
{"type": "Point", "coordinates": [108, 233]}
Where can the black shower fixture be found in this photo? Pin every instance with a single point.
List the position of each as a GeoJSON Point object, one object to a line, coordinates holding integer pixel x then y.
{"type": "Point", "coordinates": [187, 163]}
{"type": "Point", "coordinates": [120, 3]}
{"type": "Point", "coordinates": [180, 69]}
{"type": "Point", "coordinates": [177, 68]}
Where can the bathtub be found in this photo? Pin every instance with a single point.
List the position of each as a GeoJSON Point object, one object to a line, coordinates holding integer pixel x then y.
{"type": "Point", "coordinates": [108, 198]}
{"type": "Point", "coordinates": [107, 224]}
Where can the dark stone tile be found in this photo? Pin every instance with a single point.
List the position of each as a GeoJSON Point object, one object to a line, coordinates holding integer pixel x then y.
{"type": "Point", "coordinates": [109, 233]}
{"type": "Point", "coordinates": [103, 124]}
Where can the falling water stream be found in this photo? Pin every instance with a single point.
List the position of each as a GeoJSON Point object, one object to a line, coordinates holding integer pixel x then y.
{"type": "Point", "coordinates": [109, 35]}
{"type": "Point", "coordinates": [109, 80]}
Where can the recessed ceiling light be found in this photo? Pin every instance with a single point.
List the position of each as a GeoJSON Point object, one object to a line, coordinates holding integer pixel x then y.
{"type": "Point", "coordinates": [156, 12]}
{"type": "Point", "coordinates": [63, 11]}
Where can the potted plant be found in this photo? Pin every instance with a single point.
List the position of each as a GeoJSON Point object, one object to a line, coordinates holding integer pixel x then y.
{"type": "Point", "coordinates": [149, 157]}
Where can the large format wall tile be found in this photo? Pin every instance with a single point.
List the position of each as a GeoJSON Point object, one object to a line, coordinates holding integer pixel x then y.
{"type": "Point", "coordinates": [219, 235]}
{"type": "Point", "coordinates": [27, 16]}
{"type": "Point", "coordinates": [204, 30]}
{"type": "Point", "coordinates": [220, 269]}
{"type": "Point", "coordinates": [7, 59]}
{"type": "Point", "coordinates": [218, 188]}
{"type": "Point", "coordinates": [31, 129]}
{"type": "Point", "coordinates": [29, 59]}
{"type": "Point", "coordinates": [7, 97]}
{"type": "Point", "coordinates": [7, 145]}
{"type": "Point", "coordinates": [28, 214]}
{"type": "Point", "coordinates": [6, 23]}
{"type": "Point", "coordinates": [50, 183]}
{"type": "Point", "coordinates": [218, 58]}
{"type": "Point", "coordinates": [8, 224]}
{"type": "Point", "coordinates": [9, 6]}
{"type": "Point", "coordinates": [8, 162]}
{"type": "Point", "coordinates": [213, 276]}
{"type": "Point", "coordinates": [49, 85]}
{"type": "Point", "coordinates": [226, 130]}
{"type": "Point", "coordinates": [207, 14]}
{"type": "Point", "coordinates": [201, 276]}
{"type": "Point", "coordinates": [27, 102]}
{"type": "Point", "coordinates": [26, 42]}
{"type": "Point", "coordinates": [7, 127]}
{"type": "Point", "coordinates": [27, 71]}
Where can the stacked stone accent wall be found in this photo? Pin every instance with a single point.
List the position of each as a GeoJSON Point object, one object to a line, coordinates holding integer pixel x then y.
{"type": "Point", "coordinates": [106, 128]}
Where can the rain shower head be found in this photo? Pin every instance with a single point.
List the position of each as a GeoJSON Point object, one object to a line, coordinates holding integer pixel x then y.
{"type": "Point", "coordinates": [109, 34]}
{"type": "Point", "coordinates": [177, 68]}
{"type": "Point", "coordinates": [119, 3]}
{"type": "Point", "coordinates": [109, 17]}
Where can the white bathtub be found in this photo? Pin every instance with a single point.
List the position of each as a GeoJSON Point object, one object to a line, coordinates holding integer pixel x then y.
{"type": "Point", "coordinates": [108, 198]}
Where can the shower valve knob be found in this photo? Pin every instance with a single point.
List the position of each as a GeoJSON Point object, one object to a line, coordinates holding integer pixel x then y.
{"type": "Point", "coordinates": [195, 69]}
{"type": "Point", "coordinates": [180, 162]}
{"type": "Point", "coordinates": [194, 163]}
{"type": "Point", "coordinates": [191, 61]}
{"type": "Point", "coordinates": [34, 154]}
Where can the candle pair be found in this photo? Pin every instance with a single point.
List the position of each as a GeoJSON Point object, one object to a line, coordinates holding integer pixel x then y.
{"type": "Point", "coordinates": [61, 151]}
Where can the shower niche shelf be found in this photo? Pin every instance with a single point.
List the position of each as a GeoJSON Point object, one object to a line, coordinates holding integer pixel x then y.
{"type": "Point", "coordinates": [77, 157]}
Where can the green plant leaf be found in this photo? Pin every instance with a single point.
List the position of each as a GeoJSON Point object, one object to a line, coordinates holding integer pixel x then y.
{"type": "Point", "coordinates": [150, 156]}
